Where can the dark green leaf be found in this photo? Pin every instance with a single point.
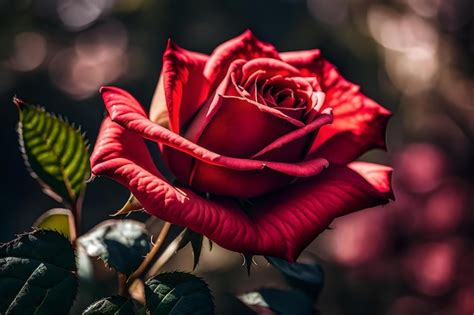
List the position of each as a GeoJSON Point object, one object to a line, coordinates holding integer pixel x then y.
{"type": "Point", "coordinates": [306, 277]}
{"type": "Point", "coordinates": [37, 274]}
{"type": "Point", "coordinates": [121, 244]}
{"type": "Point", "coordinates": [178, 293]}
{"type": "Point", "coordinates": [55, 151]}
{"type": "Point", "coordinates": [287, 302]}
{"type": "Point", "coordinates": [112, 305]}
{"type": "Point", "coordinates": [282, 302]}
{"type": "Point", "coordinates": [232, 305]}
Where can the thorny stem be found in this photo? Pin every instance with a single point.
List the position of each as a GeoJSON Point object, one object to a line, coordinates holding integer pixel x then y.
{"type": "Point", "coordinates": [151, 254]}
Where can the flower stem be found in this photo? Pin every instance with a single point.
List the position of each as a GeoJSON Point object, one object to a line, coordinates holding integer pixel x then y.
{"type": "Point", "coordinates": [122, 284]}
{"type": "Point", "coordinates": [76, 214]}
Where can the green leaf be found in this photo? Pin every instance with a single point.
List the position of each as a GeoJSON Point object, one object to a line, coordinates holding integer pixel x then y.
{"type": "Point", "coordinates": [121, 244]}
{"type": "Point", "coordinates": [112, 305]}
{"type": "Point", "coordinates": [37, 274]}
{"type": "Point", "coordinates": [178, 293]}
{"type": "Point", "coordinates": [59, 220]}
{"type": "Point", "coordinates": [55, 152]}
{"type": "Point", "coordinates": [309, 278]}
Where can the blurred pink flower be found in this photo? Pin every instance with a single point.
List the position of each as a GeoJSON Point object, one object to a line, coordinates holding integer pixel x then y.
{"type": "Point", "coordinates": [430, 268]}
{"type": "Point", "coordinates": [420, 167]}
{"type": "Point", "coordinates": [444, 210]}
{"type": "Point", "coordinates": [359, 237]}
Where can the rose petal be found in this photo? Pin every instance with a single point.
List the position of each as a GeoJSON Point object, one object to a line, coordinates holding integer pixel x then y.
{"type": "Point", "coordinates": [307, 61]}
{"type": "Point", "coordinates": [279, 225]}
{"type": "Point", "coordinates": [241, 129]}
{"type": "Point", "coordinates": [377, 175]}
{"type": "Point", "coordinates": [229, 87]}
{"type": "Point", "coordinates": [306, 209]}
{"type": "Point", "coordinates": [182, 87]}
{"type": "Point", "coordinates": [294, 112]}
{"type": "Point", "coordinates": [179, 163]}
{"type": "Point", "coordinates": [221, 181]}
{"type": "Point", "coordinates": [182, 164]}
{"type": "Point", "coordinates": [321, 120]}
{"type": "Point", "coordinates": [267, 109]}
{"type": "Point", "coordinates": [245, 46]}
{"type": "Point", "coordinates": [359, 125]}
{"type": "Point", "coordinates": [114, 143]}
{"type": "Point", "coordinates": [290, 147]}
{"type": "Point", "coordinates": [359, 122]}
{"type": "Point", "coordinates": [271, 67]}
{"type": "Point", "coordinates": [206, 114]}
{"type": "Point", "coordinates": [126, 111]}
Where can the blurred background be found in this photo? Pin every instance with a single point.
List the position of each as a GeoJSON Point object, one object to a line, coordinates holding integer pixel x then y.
{"type": "Point", "coordinates": [415, 57]}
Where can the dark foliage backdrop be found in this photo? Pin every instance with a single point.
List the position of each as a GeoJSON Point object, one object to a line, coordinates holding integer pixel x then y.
{"type": "Point", "coordinates": [415, 57]}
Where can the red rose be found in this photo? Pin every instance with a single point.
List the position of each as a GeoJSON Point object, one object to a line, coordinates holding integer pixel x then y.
{"type": "Point", "coordinates": [278, 129]}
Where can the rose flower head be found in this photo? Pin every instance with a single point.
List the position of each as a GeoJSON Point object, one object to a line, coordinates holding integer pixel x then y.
{"type": "Point", "coordinates": [261, 143]}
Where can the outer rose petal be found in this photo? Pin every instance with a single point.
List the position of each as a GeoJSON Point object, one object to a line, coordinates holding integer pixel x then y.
{"type": "Point", "coordinates": [359, 122]}
{"type": "Point", "coordinates": [237, 184]}
{"type": "Point", "coordinates": [182, 87]}
{"type": "Point", "coordinates": [280, 225]}
{"type": "Point", "coordinates": [245, 46]}
{"type": "Point", "coordinates": [114, 143]}
{"type": "Point", "coordinates": [126, 111]}
{"type": "Point", "coordinates": [376, 175]}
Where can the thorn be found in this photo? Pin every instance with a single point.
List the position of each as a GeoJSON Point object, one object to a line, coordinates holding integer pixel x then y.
{"type": "Point", "coordinates": [254, 261]}
{"type": "Point", "coordinates": [91, 178]}
{"type": "Point", "coordinates": [243, 262]}
{"type": "Point", "coordinates": [210, 244]}
{"type": "Point", "coordinates": [248, 260]}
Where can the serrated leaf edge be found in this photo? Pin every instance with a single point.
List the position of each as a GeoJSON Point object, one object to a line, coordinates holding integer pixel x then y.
{"type": "Point", "coordinates": [48, 190]}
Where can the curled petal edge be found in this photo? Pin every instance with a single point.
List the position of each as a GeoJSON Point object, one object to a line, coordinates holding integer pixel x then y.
{"type": "Point", "coordinates": [125, 110]}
